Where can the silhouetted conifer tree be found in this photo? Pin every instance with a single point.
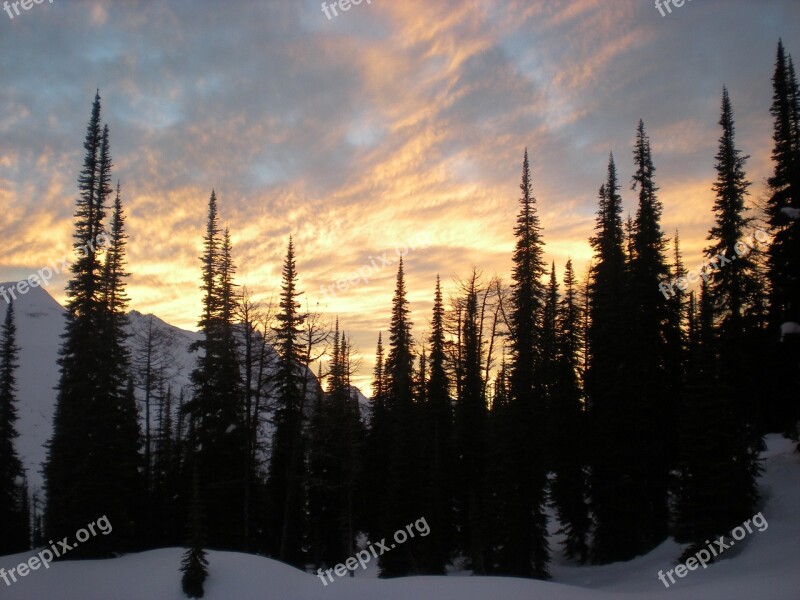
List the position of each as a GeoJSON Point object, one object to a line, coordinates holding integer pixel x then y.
{"type": "Point", "coordinates": [783, 258]}
{"type": "Point", "coordinates": [287, 477]}
{"type": "Point", "coordinates": [403, 499]}
{"type": "Point", "coordinates": [13, 493]}
{"type": "Point", "coordinates": [92, 462]}
{"type": "Point", "coordinates": [216, 408]}
{"type": "Point", "coordinates": [437, 423]}
{"type": "Point", "coordinates": [194, 565]}
{"type": "Point", "coordinates": [518, 488]}
{"type": "Point", "coordinates": [568, 488]}
{"type": "Point", "coordinates": [616, 535]}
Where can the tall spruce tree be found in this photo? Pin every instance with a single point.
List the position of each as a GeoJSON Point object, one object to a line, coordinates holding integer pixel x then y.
{"type": "Point", "coordinates": [437, 423]}
{"type": "Point", "coordinates": [648, 376]}
{"type": "Point", "coordinates": [521, 532]}
{"type": "Point", "coordinates": [374, 474]}
{"type": "Point", "coordinates": [616, 533]}
{"type": "Point", "coordinates": [728, 304]}
{"type": "Point", "coordinates": [715, 487]}
{"type": "Point", "coordinates": [402, 502]}
{"type": "Point", "coordinates": [677, 350]}
{"type": "Point", "coordinates": [79, 356]}
{"type": "Point", "coordinates": [354, 434]}
{"type": "Point", "coordinates": [287, 477]}
{"type": "Point", "coordinates": [121, 461]}
{"type": "Point", "coordinates": [168, 503]}
{"type": "Point", "coordinates": [783, 258]}
{"type": "Point", "coordinates": [92, 455]}
{"type": "Point", "coordinates": [216, 408]}
{"type": "Point", "coordinates": [470, 427]}
{"type": "Point", "coordinates": [568, 487]}
{"type": "Point", "coordinates": [784, 201]}
{"type": "Point", "coordinates": [16, 534]}
{"type": "Point", "coordinates": [676, 340]}
{"type": "Point", "coordinates": [336, 436]}
{"type": "Point", "coordinates": [324, 474]}
{"type": "Point", "coordinates": [733, 281]}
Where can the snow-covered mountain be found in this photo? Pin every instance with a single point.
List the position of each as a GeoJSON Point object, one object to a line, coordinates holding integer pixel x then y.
{"type": "Point", "coordinates": [40, 324]}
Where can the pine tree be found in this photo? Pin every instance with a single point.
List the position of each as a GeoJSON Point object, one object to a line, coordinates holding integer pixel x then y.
{"type": "Point", "coordinates": [230, 395]}
{"type": "Point", "coordinates": [79, 355]}
{"type": "Point", "coordinates": [216, 408]}
{"type": "Point", "coordinates": [783, 257]}
{"type": "Point", "coordinates": [354, 434]}
{"type": "Point", "coordinates": [120, 437]}
{"type": "Point", "coordinates": [92, 462]}
{"type": "Point", "coordinates": [437, 422]}
{"type": "Point", "coordinates": [719, 462]}
{"type": "Point", "coordinates": [167, 510]}
{"type": "Point", "coordinates": [402, 503]}
{"type": "Point", "coordinates": [194, 565]}
{"type": "Point", "coordinates": [12, 512]}
{"type": "Point", "coordinates": [287, 462]}
{"type": "Point", "coordinates": [374, 479]}
{"type": "Point", "coordinates": [336, 437]}
{"type": "Point", "coordinates": [732, 281]}
{"type": "Point", "coordinates": [651, 390]}
{"type": "Point", "coordinates": [568, 486]}
{"type": "Point", "coordinates": [616, 535]}
{"type": "Point", "coordinates": [785, 198]}
{"type": "Point", "coordinates": [152, 365]}
{"type": "Point", "coordinates": [715, 488]}
{"type": "Point", "coordinates": [521, 533]}
{"type": "Point", "coordinates": [736, 283]}
{"type": "Point", "coordinates": [676, 339]}
{"type": "Point", "coordinates": [470, 427]}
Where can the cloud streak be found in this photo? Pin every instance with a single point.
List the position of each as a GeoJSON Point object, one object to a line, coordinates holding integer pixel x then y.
{"type": "Point", "coordinates": [354, 134]}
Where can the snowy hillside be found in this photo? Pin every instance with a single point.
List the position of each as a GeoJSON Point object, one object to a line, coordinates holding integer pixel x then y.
{"type": "Point", "coordinates": [763, 567]}
{"type": "Point", "coordinates": [40, 323]}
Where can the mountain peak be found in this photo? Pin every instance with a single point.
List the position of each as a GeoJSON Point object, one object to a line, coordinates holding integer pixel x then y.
{"type": "Point", "coordinates": [27, 298]}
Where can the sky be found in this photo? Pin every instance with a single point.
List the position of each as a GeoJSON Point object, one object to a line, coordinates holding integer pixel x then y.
{"type": "Point", "coordinates": [393, 128]}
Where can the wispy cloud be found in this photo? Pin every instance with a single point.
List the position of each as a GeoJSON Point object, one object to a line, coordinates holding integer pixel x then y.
{"type": "Point", "coordinates": [356, 133]}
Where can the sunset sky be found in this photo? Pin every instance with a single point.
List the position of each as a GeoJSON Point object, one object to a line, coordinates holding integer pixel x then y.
{"type": "Point", "coordinates": [394, 122]}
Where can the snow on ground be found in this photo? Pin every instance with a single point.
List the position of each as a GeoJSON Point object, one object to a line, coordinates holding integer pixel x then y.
{"type": "Point", "coordinates": [763, 567]}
